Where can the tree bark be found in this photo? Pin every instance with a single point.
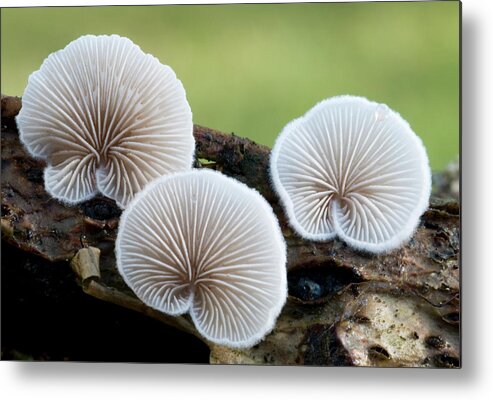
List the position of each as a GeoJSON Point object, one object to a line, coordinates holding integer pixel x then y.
{"type": "Point", "coordinates": [345, 307]}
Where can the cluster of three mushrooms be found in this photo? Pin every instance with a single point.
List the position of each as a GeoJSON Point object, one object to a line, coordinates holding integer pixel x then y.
{"type": "Point", "coordinates": [109, 118]}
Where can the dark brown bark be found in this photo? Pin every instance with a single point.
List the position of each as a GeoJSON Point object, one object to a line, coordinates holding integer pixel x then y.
{"type": "Point", "coordinates": [345, 307]}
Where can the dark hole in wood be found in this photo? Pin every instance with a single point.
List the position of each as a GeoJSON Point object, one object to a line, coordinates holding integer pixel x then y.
{"type": "Point", "coordinates": [100, 208]}
{"type": "Point", "coordinates": [445, 360]}
{"type": "Point", "coordinates": [436, 342]}
{"type": "Point", "coordinates": [378, 353]}
{"type": "Point", "coordinates": [313, 283]}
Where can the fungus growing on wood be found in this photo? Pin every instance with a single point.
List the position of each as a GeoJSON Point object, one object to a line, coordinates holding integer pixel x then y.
{"type": "Point", "coordinates": [106, 117]}
{"type": "Point", "coordinates": [352, 168]}
{"type": "Point", "coordinates": [203, 243]}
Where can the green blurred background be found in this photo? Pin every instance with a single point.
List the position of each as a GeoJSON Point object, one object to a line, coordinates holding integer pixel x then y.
{"type": "Point", "coordinates": [250, 69]}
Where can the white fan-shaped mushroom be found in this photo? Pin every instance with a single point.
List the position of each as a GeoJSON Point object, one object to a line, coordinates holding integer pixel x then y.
{"type": "Point", "coordinates": [106, 117]}
{"type": "Point", "coordinates": [352, 168]}
{"type": "Point", "coordinates": [203, 243]}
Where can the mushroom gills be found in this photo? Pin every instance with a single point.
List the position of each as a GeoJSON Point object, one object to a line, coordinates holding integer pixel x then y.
{"type": "Point", "coordinates": [106, 117]}
{"type": "Point", "coordinates": [203, 243]}
{"type": "Point", "coordinates": [354, 169]}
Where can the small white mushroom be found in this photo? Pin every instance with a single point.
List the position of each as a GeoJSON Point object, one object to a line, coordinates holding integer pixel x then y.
{"type": "Point", "coordinates": [105, 117]}
{"type": "Point", "coordinates": [203, 243]}
{"type": "Point", "coordinates": [354, 169]}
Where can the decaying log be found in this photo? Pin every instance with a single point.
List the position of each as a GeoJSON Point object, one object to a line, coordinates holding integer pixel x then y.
{"type": "Point", "coordinates": [345, 307]}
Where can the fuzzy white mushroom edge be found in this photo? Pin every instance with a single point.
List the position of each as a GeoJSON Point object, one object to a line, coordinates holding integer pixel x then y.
{"type": "Point", "coordinates": [206, 244]}
{"type": "Point", "coordinates": [106, 117]}
{"type": "Point", "coordinates": [354, 169]}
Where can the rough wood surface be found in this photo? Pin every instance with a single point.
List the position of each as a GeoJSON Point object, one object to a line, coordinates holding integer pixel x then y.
{"type": "Point", "coordinates": [345, 307]}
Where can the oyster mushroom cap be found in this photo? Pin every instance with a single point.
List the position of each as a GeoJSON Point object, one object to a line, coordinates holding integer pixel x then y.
{"type": "Point", "coordinates": [203, 243]}
{"type": "Point", "coordinates": [106, 117]}
{"type": "Point", "coordinates": [352, 168]}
